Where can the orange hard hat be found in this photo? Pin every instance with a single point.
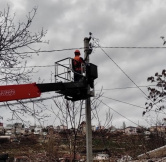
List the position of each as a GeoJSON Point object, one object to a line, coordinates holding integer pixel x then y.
{"type": "Point", "coordinates": [77, 51]}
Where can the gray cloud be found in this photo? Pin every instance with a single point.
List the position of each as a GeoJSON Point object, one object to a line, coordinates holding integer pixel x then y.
{"type": "Point", "coordinates": [115, 23]}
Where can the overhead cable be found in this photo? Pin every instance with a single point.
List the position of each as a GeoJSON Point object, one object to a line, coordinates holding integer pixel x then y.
{"type": "Point", "coordinates": [135, 47]}
{"type": "Point", "coordinates": [129, 104]}
{"type": "Point", "coordinates": [30, 101]}
{"type": "Point", "coordinates": [108, 89]}
{"type": "Point", "coordinates": [74, 48]}
{"type": "Point", "coordinates": [119, 113]}
{"type": "Point", "coordinates": [98, 45]}
{"type": "Point", "coordinates": [122, 70]}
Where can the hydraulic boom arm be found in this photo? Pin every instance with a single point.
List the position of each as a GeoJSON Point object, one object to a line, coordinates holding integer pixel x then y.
{"type": "Point", "coordinates": [71, 90]}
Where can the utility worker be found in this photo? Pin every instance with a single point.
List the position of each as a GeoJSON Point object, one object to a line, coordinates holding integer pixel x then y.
{"type": "Point", "coordinates": [77, 61]}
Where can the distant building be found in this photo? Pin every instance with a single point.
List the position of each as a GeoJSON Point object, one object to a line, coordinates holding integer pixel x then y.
{"type": "Point", "coordinates": [93, 127]}
{"type": "Point", "coordinates": [18, 125]}
{"type": "Point", "coordinates": [131, 130]}
{"type": "Point", "coordinates": [101, 157]}
{"type": "Point", "coordinates": [9, 129]}
{"type": "Point", "coordinates": [32, 128]}
{"type": "Point", "coordinates": [60, 128]}
{"type": "Point", "coordinates": [160, 129]}
{"type": "Point", "coordinates": [38, 130]}
{"type": "Point", "coordinates": [17, 128]}
{"type": "Point", "coordinates": [35, 129]}
{"type": "Point", "coordinates": [9, 126]}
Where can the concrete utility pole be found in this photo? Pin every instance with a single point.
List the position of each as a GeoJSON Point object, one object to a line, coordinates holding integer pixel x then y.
{"type": "Point", "coordinates": [88, 110]}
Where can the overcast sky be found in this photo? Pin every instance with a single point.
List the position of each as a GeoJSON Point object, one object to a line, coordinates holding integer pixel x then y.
{"type": "Point", "coordinates": [116, 23]}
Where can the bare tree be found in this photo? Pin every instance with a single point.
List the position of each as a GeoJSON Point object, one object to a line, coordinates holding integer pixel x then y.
{"type": "Point", "coordinates": [72, 115]}
{"type": "Point", "coordinates": [17, 43]}
{"type": "Point", "coordinates": [69, 114]}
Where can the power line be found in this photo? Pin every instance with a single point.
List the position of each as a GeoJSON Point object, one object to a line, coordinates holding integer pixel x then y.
{"type": "Point", "coordinates": [122, 70]}
{"type": "Point", "coordinates": [54, 50]}
{"type": "Point", "coordinates": [74, 48]}
{"type": "Point", "coordinates": [119, 113]}
{"type": "Point", "coordinates": [108, 89]}
{"type": "Point", "coordinates": [19, 67]}
{"type": "Point", "coordinates": [134, 47]}
{"type": "Point", "coordinates": [30, 101]}
{"type": "Point", "coordinates": [124, 102]}
{"type": "Point", "coordinates": [130, 104]}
